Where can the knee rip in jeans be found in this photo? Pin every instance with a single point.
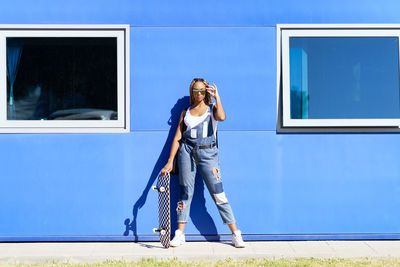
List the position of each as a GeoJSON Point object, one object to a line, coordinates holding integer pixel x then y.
{"type": "Point", "coordinates": [181, 206]}
{"type": "Point", "coordinates": [216, 173]}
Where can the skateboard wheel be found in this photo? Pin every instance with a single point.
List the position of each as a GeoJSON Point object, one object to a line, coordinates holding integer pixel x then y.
{"type": "Point", "coordinates": [154, 187]}
{"type": "Point", "coordinates": [155, 230]}
{"type": "Point", "coordinates": [163, 232]}
{"type": "Point", "coordinates": [162, 189]}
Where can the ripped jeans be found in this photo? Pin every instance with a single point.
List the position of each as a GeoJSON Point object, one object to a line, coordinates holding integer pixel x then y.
{"type": "Point", "coordinates": [206, 160]}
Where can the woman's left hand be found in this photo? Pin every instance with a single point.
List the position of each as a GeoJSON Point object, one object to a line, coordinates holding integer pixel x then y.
{"type": "Point", "coordinates": [213, 90]}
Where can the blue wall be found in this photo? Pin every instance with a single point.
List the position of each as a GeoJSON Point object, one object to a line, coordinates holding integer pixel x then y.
{"type": "Point", "coordinates": [97, 186]}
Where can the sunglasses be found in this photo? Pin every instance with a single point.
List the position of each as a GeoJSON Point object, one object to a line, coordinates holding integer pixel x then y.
{"type": "Point", "coordinates": [195, 91]}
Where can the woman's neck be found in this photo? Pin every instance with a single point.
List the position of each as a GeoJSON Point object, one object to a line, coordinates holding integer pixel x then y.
{"type": "Point", "coordinates": [199, 104]}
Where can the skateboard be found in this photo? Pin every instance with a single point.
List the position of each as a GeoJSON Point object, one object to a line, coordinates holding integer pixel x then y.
{"type": "Point", "coordinates": [164, 210]}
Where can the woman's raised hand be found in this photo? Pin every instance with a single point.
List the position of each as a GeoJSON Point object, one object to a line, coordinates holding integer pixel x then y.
{"type": "Point", "coordinates": [213, 90]}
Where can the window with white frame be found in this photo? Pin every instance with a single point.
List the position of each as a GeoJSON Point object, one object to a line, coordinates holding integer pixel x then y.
{"type": "Point", "coordinates": [339, 75]}
{"type": "Point", "coordinates": [64, 78]}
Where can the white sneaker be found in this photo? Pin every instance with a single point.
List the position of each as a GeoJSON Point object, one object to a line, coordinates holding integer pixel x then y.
{"type": "Point", "coordinates": [178, 239]}
{"type": "Point", "coordinates": [237, 239]}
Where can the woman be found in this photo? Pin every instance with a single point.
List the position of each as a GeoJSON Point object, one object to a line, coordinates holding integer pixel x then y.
{"type": "Point", "coordinates": [195, 138]}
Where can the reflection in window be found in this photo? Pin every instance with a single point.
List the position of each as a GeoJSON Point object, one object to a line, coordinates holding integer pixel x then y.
{"type": "Point", "coordinates": [72, 78]}
{"type": "Point", "coordinates": [344, 77]}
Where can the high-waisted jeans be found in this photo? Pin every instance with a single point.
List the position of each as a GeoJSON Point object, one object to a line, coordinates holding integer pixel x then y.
{"type": "Point", "coordinates": [207, 161]}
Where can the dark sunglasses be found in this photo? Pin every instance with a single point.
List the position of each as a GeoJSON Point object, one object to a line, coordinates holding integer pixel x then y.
{"type": "Point", "coordinates": [195, 91]}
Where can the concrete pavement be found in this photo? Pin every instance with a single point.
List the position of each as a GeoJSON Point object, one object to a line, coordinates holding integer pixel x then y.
{"type": "Point", "coordinates": [90, 252]}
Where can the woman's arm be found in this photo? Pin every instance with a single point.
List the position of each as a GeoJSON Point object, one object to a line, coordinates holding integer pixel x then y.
{"type": "Point", "coordinates": [219, 112]}
{"type": "Point", "coordinates": [174, 147]}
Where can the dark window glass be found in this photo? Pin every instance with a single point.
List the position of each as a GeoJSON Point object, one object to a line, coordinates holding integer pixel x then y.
{"type": "Point", "coordinates": [62, 78]}
{"type": "Point", "coordinates": [344, 77]}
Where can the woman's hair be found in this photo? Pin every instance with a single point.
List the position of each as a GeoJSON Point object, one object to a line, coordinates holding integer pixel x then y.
{"type": "Point", "coordinates": [207, 97]}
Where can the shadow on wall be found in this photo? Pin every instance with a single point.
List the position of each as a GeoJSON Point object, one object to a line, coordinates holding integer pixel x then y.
{"type": "Point", "coordinates": [198, 212]}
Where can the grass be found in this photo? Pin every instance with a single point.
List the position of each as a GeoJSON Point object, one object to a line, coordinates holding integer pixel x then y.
{"type": "Point", "coordinates": [233, 263]}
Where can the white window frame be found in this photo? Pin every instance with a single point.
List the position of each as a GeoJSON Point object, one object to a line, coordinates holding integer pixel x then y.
{"type": "Point", "coordinates": [285, 31]}
{"type": "Point", "coordinates": [122, 124]}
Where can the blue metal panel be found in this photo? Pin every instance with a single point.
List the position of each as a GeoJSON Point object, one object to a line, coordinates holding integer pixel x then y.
{"type": "Point", "coordinates": [199, 13]}
{"type": "Point", "coordinates": [62, 184]}
{"type": "Point", "coordinates": [241, 62]}
{"type": "Point", "coordinates": [82, 185]}
{"type": "Point", "coordinates": [313, 183]}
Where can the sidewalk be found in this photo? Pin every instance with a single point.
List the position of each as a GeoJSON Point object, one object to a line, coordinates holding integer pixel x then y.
{"type": "Point", "coordinates": [90, 252]}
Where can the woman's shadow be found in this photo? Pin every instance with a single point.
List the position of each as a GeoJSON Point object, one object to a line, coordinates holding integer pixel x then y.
{"type": "Point", "coordinates": [198, 212]}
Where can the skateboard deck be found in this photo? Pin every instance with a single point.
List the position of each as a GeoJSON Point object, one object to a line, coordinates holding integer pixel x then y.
{"type": "Point", "coordinates": [164, 210]}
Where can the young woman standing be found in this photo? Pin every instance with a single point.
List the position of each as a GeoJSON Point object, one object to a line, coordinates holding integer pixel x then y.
{"type": "Point", "coordinates": [196, 144]}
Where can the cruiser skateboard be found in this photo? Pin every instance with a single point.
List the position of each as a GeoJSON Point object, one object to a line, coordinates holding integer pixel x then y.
{"type": "Point", "coordinates": [164, 211]}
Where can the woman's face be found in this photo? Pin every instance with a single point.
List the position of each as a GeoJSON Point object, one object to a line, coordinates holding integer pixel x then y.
{"type": "Point", "coordinates": [199, 91]}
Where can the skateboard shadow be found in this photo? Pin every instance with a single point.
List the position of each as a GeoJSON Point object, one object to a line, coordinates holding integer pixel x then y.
{"type": "Point", "coordinates": [198, 214]}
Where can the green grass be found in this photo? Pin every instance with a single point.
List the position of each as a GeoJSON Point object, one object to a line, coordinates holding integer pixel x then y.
{"type": "Point", "coordinates": [231, 263]}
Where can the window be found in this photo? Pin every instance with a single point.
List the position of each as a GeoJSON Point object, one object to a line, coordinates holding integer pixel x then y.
{"type": "Point", "coordinates": [64, 78]}
{"type": "Point", "coordinates": [339, 76]}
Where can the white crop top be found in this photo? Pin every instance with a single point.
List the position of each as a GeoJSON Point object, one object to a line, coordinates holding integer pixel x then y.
{"type": "Point", "coordinates": [192, 121]}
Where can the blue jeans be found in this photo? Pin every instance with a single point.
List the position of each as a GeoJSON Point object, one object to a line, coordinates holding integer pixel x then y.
{"type": "Point", "coordinates": [206, 160]}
